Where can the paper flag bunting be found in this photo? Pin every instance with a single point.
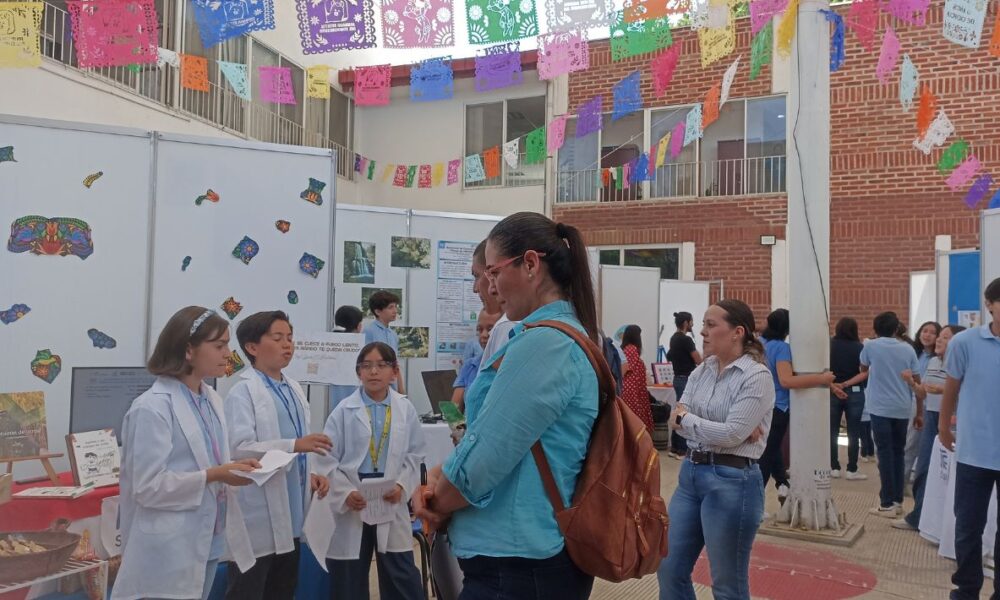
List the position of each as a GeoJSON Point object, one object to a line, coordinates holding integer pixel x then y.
{"type": "Point", "coordinates": [194, 72]}
{"type": "Point", "coordinates": [492, 21]}
{"type": "Point", "coordinates": [912, 12]}
{"type": "Point", "coordinates": [400, 178]}
{"type": "Point", "coordinates": [318, 82]}
{"type": "Point", "coordinates": [276, 85]}
{"type": "Point", "coordinates": [363, 166]}
{"type": "Point", "coordinates": [953, 156]}
{"type": "Point", "coordinates": [626, 177]}
{"type": "Point", "coordinates": [333, 25]}
{"type": "Point", "coordinates": [166, 57]}
{"type": "Point", "coordinates": [580, 14]}
{"type": "Point", "coordinates": [963, 21]}
{"type": "Point", "coordinates": [474, 169]}
{"type": "Point", "coordinates": [925, 114]}
{"type": "Point", "coordinates": [836, 39]}
{"type": "Point", "coordinates": [677, 139]}
{"type": "Point", "coordinates": [114, 32]}
{"type": "Point", "coordinates": [762, 11]}
{"type": "Point", "coordinates": [511, 153]}
{"type": "Point", "coordinates": [491, 161]}
{"type": "Point", "coordinates": [220, 21]}
{"type": "Point", "coordinates": [627, 96]}
{"type": "Point", "coordinates": [418, 23]}
{"type": "Point", "coordinates": [411, 175]}
{"type": "Point", "coordinates": [980, 187]}
{"type": "Point", "coordinates": [663, 67]}
{"type": "Point", "coordinates": [238, 78]}
{"type": "Point", "coordinates": [357, 162]}
{"type": "Point", "coordinates": [432, 79]}
{"type": "Point", "coordinates": [372, 85]}
{"type": "Point", "coordinates": [907, 83]}
{"type": "Point", "coordinates": [717, 42]}
{"type": "Point", "coordinates": [937, 133]}
{"type": "Point", "coordinates": [641, 37]}
{"type": "Point", "coordinates": [556, 134]}
{"type": "Point", "coordinates": [692, 125]}
{"type": "Point", "coordinates": [963, 174]}
{"type": "Point", "coordinates": [661, 150]}
{"type": "Point", "coordinates": [424, 176]}
{"type": "Point", "coordinates": [709, 14]}
{"type": "Point", "coordinates": [641, 170]}
{"type": "Point", "coordinates": [499, 67]}
{"type": "Point", "coordinates": [761, 50]}
{"type": "Point", "coordinates": [387, 173]}
{"type": "Point", "coordinates": [642, 10]}
{"type": "Point", "coordinates": [710, 114]}
{"type": "Point", "coordinates": [727, 80]}
{"type": "Point", "coordinates": [888, 56]}
{"type": "Point", "coordinates": [534, 144]}
{"type": "Point", "coordinates": [589, 116]}
{"type": "Point", "coordinates": [453, 166]}
{"type": "Point", "coordinates": [995, 39]}
{"type": "Point", "coordinates": [786, 28]}
{"type": "Point", "coordinates": [561, 53]}
{"type": "Point", "coordinates": [437, 176]}
{"type": "Point", "coordinates": [862, 18]}
{"type": "Point", "coordinates": [371, 170]}
{"type": "Point", "coordinates": [19, 34]}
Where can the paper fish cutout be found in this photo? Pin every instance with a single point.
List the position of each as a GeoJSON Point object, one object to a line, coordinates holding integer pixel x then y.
{"type": "Point", "coordinates": [246, 250]}
{"type": "Point", "coordinates": [209, 195]}
{"type": "Point", "coordinates": [311, 265]}
{"type": "Point", "coordinates": [282, 225]}
{"type": "Point", "coordinates": [101, 339]}
{"type": "Point", "coordinates": [234, 364]}
{"type": "Point", "coordinates": [46, 366]}
{"type": "Point", "coordinates": [55, 236]}
{"type": "Point", "coordinates": [90, 179]}
{"type": "Point", "coordinates": [185, 263]}
{"type": "Point", "coordinates": [14, 313]}
{"type": "Point", "coordinates": [293, 297]}
{"type": "Point", "coordinates": [314, 192]}
{"type": "Point", "coordinates": [7, 154]}
{"type": "Point", "coordinates": [231, 307]}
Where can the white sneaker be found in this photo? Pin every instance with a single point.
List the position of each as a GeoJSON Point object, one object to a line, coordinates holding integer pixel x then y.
{"type": "Point", "coordinates": [890, 512]}
{"type": "Point", "coordinates": [866, 459]}
{"type": "Point", "coordinates": [902, 524]}
{"type": "Point", "coordinates": [835, 473]}
{"type": "Point", "coordinates": [855, 476]}
{"type": "Point", "coordinates": [783, 491]}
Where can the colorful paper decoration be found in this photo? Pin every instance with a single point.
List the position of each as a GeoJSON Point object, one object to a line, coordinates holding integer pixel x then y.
{"type": "Point", "coordinates": [640, 172]}
{"type": "Point", "coordinates": [663, 67]}
{"type": "Point", "coordinates": [908, 78]}
{"type": "Point", "coordinates": [692, 125]}
{"type": "Point", "coordinates": [963, 21]}
{"type": "Point", "coordinates": [185, 263]}
{"type": "Point", "coordinates": [114, 32]}
{"type": "Point", "coordinates": [499, 67]}
{"type": "Point", "coordinates": [727, 80]}
{"type": "Point", "coordinates": [234, 364]}
{"type": "Point", "coordinates": [453, 166]}
{"type": "Point", "coordinates": [642, 10]}
{"type": "Point", "coordinates": [994, 201]}
{"type": "Point", "coordinates": [14, 313]}
{"type": "Point", "coordinates": [937, 133]}
{"type": "Point", "coordinates": [387, 173]}
{"type": "Point", "coordinates": [293, 297]}
{"type": "Point", "coordinates": [418, 23]}
{"type": "Point", "coordinates": [276, 85]}
{"type": "Point", "coordinates": [534, 144]}
{"type": "Point", "coordinates": [641, 37]}
{"type": "Point", "coordinates": [589, 116]}
{"type": "Point", "coordinates": [963, 173]}
{"type": "Point", "coordinates": [888, 56]}
{"type": "Point", "coordinates": [717, 43]}
{"type": "Point", "coordinates": [627, 96]}
{"type": "Point", "coordinates": [311, 265]}
{"type": "Point", "coordinates": [399, 180]}
{"type": "Point", "coordinates": [711, 112]}
{"type": "Point", "coordinates": [710, 14]}
{"type": "Point", "coordinates": [556, 135]}
{"type": "Point", "coordinates": [314, 193]}
{"type": "Point", "coordinates": [55, 236]}
{"type": "Point", "coordinates": [677, 139]}
{"type": "Point", "coordinates": [238, 77]}
{"type": "Point", "coordinates": [372, 85]}
{"type": "Point", "coordinates": [474, 169]}
{"type": "Point", "coordinates": [424, 176]}
{"type": "Point", "coordinates": [491, 161]}
{"type": "Point", "coordinates": [512, 153]}
{"type": "Point", "coordinates": [912, 12]}
{"type": "Point", "coordinates": [20, 24]}
{"type": "Point", "coordinates": [579, 14]}
{"type": "Point", "coordinates": [926, 111]}
{"type": "Point", "coordinates": [371, 170]}
{"type": "Point", "coordinates": [761, 50]}
{"type": "Point", "coordinates": [101, 339]}
{"type": "Point", "coordinates": [332, 25]}
{"type": "Point", "coordinates": [786, 28]}
{"type": "Point", "coordinates": [411, 175]}
{"type": "Point", "coordinates": [7, 154]}
{"type": "Point", "coordinates": [980, 187]}
{"type": "Point", "coordinates": [953, 156]}
{"type": "Point", "coordinates": [246, 250]}
{"type": "Point", "coordinates": [219, 21]}
{"type": "Point", "coordinates": [432, 79]}
{"type": "Point", "coordinates": [89, 180]}
{"type": "Point", "coordinates": [318, 82]}
{"type": "Point", "coordinates": [166, 57]}
{"type": "Point", "coordinates": [357, 163]}
{"type": "Point", "coordinates": [194, 72]}
{"type": "Point", "coordinates": [46, 366]}
{"type": "Point", "coordinates": [437, 175]}
{"type": "Point", "coordinates": [210, 195]}
{"type": "Point", "coordinates": [862, 18]}
{"type": "Point", "coordinates": [492, 21]}
{"type": "Point", "coordinates": [561, 53]}
{"type": "Point", "coordinates": [763, 11]}
{"type": "Point", "coordinates": [995, 38]}
{"type": "Point", "coordinates": [661, 150]}
{"type": "Point", "coordinates": [836, 40]}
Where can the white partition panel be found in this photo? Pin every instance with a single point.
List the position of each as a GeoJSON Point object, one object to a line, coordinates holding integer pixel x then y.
{"type": "Point", "coordinates": [631, 296]}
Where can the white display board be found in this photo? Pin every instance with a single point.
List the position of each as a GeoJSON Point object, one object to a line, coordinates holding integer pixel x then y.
{"type": "Point", "coordinates": [68, 295]}
{"type": "Point", "coordinates": [989, 236]}
{"type": "Point", "coordinates": [923, 297]}
{"type": "Point", "coordinates": [686, 296]}
{"type": "Point", "coordinates": [631, 296]}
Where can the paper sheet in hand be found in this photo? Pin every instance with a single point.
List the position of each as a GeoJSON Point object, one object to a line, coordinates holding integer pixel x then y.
{"type": "Point", "coordinates": [378, 509]}
{"type": "Point", "coordinates": [272, 462]}
{"type": "Point", "coordinates": [318, 528]}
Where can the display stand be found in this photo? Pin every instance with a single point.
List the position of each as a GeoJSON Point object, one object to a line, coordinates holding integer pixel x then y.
{"type": "Point", "coordinates": [72, 567]}
{"type": "Point", "coordinates": [44, 458]}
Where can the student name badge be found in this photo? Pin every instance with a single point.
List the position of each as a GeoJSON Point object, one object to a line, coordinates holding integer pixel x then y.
{"type": "Point", "coordinates": [855, 388]}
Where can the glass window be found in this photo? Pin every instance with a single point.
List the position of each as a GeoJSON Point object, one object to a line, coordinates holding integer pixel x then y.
{"type": "Point", "coordinates": [611, 257]}
{"type": "Point", "coordinates": [677, 176]}
{"type": "Point", "coordinates": [766, 145]}
{"type": "Point", "coordinates": [578, 167]}
{"type": "Point", "coordinates": [264, 118]}
{"type": "Point", "coordinates": [484, 130]}
{"type": "Point", "coordinates": [292, 113]}
{"type": "Point", "coordinates": [524, 115]}
{"type": "Point", "coordinates": [621, 142]}
{"type": "Point", "coordinates": [665, 259]}
{"type": "Point", "coordinates": [722, 152]}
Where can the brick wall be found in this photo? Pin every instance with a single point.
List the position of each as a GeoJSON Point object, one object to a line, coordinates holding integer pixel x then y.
{"type": "Point", "coordinates": [888, 200]}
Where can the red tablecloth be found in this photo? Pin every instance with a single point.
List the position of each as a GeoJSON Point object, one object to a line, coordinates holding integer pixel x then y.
{"type": "Point", "coordinates": [32, 514]}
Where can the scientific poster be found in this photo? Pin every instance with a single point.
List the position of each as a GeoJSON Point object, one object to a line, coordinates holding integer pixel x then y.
{"type": "Point", "coordinates": [458, 305]}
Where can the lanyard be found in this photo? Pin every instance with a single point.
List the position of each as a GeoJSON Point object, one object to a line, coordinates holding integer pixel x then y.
{"type": "Point", "coordinates": [296, 421]}
{"type": "Point", "coordinates": [376, 453]}
{"type": "Point", "coordinates": [206, 427]}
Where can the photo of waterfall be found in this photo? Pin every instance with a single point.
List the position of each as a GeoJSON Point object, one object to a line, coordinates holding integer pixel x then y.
{"type": "Point", "coordinates": [359, 262]}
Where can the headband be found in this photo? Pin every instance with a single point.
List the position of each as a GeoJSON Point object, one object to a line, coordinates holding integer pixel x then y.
{"type": "Point", "coordinates": [198, 322]}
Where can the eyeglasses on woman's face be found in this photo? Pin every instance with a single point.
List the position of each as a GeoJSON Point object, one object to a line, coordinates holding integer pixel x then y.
{"type": "Point", "coordinates": [493, 271]}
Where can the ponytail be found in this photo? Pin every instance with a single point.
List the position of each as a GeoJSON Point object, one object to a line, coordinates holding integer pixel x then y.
{"type": "Point", "coordinates": [581, 285]}
{"type": "Point", "coordinates": [738, 314]}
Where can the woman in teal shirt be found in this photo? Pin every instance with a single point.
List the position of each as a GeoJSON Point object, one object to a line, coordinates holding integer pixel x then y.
{"type": "Point", "coordinates": [503, 529]}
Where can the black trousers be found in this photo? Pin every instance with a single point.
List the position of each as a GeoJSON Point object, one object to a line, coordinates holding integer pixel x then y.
{"type": "Point", "coordinates": [398, 576]}
{"type": "Point", "coordinates": [772, 463]}
{"type": "Point", "coordinates": [272, 577]}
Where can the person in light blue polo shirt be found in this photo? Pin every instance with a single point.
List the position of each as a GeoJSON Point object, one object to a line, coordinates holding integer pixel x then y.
{"type": "Point", "coordinates": [973, 386]}
{"type": "Point", "coordinates": [385, 308]}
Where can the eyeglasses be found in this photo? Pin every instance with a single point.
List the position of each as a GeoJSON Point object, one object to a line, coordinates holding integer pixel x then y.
{"type": "Point", "coordinates": [493, 271]}
{"type": "Point", "coordinates": [375, 366]}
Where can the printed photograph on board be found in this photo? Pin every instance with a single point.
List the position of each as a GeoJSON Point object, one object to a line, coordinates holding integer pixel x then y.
{"type": "Point", "coordinates": [22, 424]}
{"type": "Point", "coordinates": [414, 342]}
{"type": "Point", "coordinates": [359, 262]}
{"type": "Point", "coordinates": [366, 294]}
{"type": "Point", "coordinates": [411, 253]}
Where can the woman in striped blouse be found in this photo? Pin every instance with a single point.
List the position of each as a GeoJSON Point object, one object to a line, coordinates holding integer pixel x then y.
{"type": "Point", "coordinates": [725, 418]}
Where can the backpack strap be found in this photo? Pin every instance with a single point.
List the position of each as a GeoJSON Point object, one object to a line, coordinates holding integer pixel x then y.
{"type": "Point", "coordinates": [606, 395]}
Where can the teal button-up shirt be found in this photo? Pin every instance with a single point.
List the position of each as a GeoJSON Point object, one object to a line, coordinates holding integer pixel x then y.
{"type": "Point", "coordinates": [545, 387]}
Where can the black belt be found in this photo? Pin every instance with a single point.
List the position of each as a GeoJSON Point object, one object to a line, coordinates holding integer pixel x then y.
{"type": "Point", "coordinates": [726, 460]}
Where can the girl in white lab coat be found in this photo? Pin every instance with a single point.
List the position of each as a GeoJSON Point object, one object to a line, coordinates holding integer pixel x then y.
{"type": "Point", "coordinates": [268, 411]}
{"type": "Point", "coordinates": [178, 511]}
{"type": "Point", "coordinates": [376, 435]}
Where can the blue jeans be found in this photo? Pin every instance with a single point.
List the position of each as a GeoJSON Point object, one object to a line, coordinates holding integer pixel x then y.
{"type": "Point", "coordinates": [974, 486]}
{"type": "Point", "coordinates": [867, 443]}
{"type": "Point", "coordinates": [852, 408]}
{"type": "Point", "coordinates": [890, 444]}
{"type": "Point", "coordinates": [555, 578]}
{"type": "Point", "coordinates": [927, 435]}
{"type": "Point", "coordinates": [718, 508]}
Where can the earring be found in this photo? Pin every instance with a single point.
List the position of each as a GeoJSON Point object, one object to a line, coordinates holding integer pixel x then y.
{"type": "Point", "coordinates": [531, 275]}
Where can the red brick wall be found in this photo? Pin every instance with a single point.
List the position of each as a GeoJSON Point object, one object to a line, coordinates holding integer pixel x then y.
{"type": "Point", "coordinates": [887, 199]}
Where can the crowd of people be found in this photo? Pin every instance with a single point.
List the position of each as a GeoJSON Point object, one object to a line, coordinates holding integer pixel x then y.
{"type": "Point", "coordinates": [186, 504]}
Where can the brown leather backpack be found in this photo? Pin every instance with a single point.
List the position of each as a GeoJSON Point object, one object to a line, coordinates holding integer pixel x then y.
{"type": "Point", "coordinates": [616, 528]}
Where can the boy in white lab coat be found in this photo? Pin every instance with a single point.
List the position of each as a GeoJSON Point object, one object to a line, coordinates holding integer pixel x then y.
{"type": "Point", "coordinates": [376, 435]}
{"type": "Point", "coordinates": [178, 511]}
{"type": "Point", "coordinates": [268, 411]}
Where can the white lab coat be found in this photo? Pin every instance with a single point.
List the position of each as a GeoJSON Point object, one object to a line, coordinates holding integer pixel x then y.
{"type": "Point", "coordinates": [253, 430]}
{"type": "Point", "coordinates": [167, 510]}
{"type": "Point", "coordinates": [349, 427]}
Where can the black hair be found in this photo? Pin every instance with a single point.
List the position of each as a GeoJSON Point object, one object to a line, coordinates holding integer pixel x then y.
{"type": "Point", "coordinates": [632, 335]}
{"type": "Point", "coordinates": [992, 291]}
{"type": "Point", "coordinates": [738, 314]}
{"type": "Point", "coordinates": [384, 350]}
{"type": "Point", "coordinates": [348, 317]}
{"type": "Point", "coordinates": [479, 255]}
{"type": "Point", "coordinates": [255, 327]}
{"type": "Point", "coordinates": [777, 325]}
{"type": "Point", "coordinates": [565, 255]}
{"type": "Point", "coordinates": [169, 357]}
{"type": "Point", "coordinates": [886, 324]}
{"type": "Point", "coordinates": [955, 329]}
{"type": "Point", "coordinates": [918, 346]}
{"type": "Point", "coordinates": [847, 329]}
{"type": "Point", "coordinates": [381, 300]}
{"type": "Point", "coordinates": [682, 317]}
